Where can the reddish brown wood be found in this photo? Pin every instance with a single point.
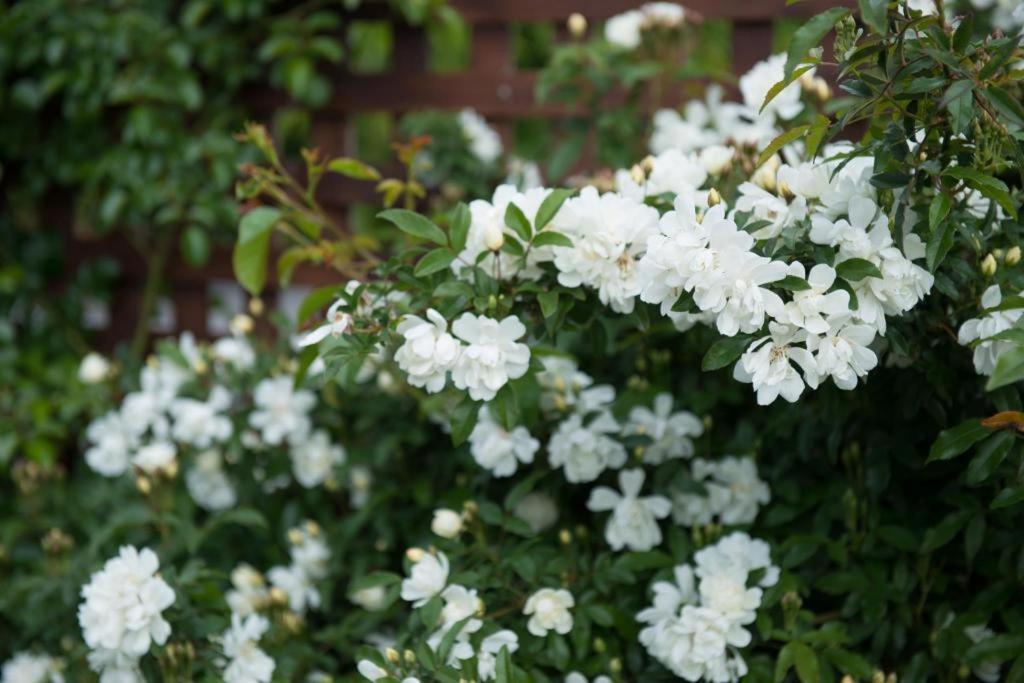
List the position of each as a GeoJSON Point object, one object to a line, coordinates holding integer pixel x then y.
{"type": "Point", "coordinates": [498, 11]}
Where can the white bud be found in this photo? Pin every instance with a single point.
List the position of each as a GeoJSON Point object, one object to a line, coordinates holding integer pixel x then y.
{"type": "Point", "coordinates": [371, 599]}
{"type": "Point", "coordinates": [494, 237]}
{"type": "Point", "coordinates": [446, 523]}
{"type": "Point", "coordinates": [988, 266]}
{"type": "Point", "coordinates": [1013, 256]}
{"type": "Point", "coordinates": [577, 25]}
{"type": "Point", "coordinates": [93, 369]}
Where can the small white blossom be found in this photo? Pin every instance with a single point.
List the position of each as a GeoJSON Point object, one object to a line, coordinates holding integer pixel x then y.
{"type": "Point", "coordinates": [548, 610]}
{"type": "Point", "coordinates": [734, 493]}
{"type": "Point", "coordinates": [208, 484]}
{"type": "Point", "coordinates": [987, 352]}
{"type": "Point", "coordinates": [156, 457]}
{"type": "Point", "coordinates": [26, 667]}
{"type": "Point", "coordinates": [372, 599]}
{"type": "Point", "coordinates": [446, 523]}
{"type": "Point", "coordinates": [281, 411]}
{"type": "Point", "coordinates": [429, 351]}
{"type": "Point", "coordinates": [315, 460]}
{"type": "Point", "coordinates": [484, 141]}
{"type": "Point", "coordinates": [338, 322]}
{"type": "Point", "coordinates": [491, 357]}
{"type": "Point", "coordinates": [248, 593]}
{"type": "Point", "coordinates": [633, 523]}
{"type": "Point", "coordinates": [585, 450]}
{"type": "Point", "coordinates": [766, 365]}
{"type": "Point", "coordinates": [247, 663]}
{"type": "Point", "coordinates": [670, 433]}
{"type": "Point", "coordinates": [498, 450]}
{"type": "Point", "coordinates": [538, 510]}
{"type": "Point", "coordinates": [427, 578]}
{"type": "Point", "coordinates": [93, 369]}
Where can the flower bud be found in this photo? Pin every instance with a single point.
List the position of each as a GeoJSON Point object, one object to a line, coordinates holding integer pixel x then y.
{"type": "Point", "coordinates": [143, 484]}
{"type": "Point", "coordinates": [878, 677]}
{"type": "Point", "coordinates": [393, 656]}
{"type": "Point", "coordinates": [241, 324]}
{"type": "Point", "coordinates": [414, 555]}
{"type": "Point", "coordinates": [638, 175]}
{"type": "Point", "coordinates": [564, 537]}
{"type": "Point", "coordinates": [821, 89]}
{"type": "Point", "coordinates": [615, 665]}
{"type": "Point", "coordinates": [1012, 256]}
{"type": "Point", "coordinates": [599, 645]}
{"type": "Point", "coordinates": [295, 536]}
{"type": "Point", "coordinates": [93, 369]}
{"type": "Point", "coordinates": [714, 198]}
{"type": "Point", "coordinates": [494, 237]}
{"type": "Point", "coordinates": [446, 523]}
{"type": "Point", "coordinates": [988, 266]}
{"type": "Point", "coordinates": [891, 678]}
{"type": "Point", "coordinates": [256, 306]}
{"type": "Point", "coordinates": [765, 175]}
{"type": "Point", "coordinates": [577, 25]}
{"type": "Point", "coordinates": [410, 657]}
{"type": "Point", "coordinates": [278, 596]}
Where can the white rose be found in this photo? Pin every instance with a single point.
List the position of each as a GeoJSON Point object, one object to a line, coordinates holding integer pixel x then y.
{"type": "Point", "coordinates": [548, 610]}
{"type": "Point", "coordinates": [93, 369]}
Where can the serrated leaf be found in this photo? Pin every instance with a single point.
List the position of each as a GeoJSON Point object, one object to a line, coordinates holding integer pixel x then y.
{"type": "Point", "coordinates": [434, 261]}
{"type": "Point", "coordinates": [810, 35]}
{"type": "Point", "coordinates": [550, 238]}
{"type": "Point", "coordinates": [459, 229]}
{"type": "Point", "coordinates": [856, 269]}
{"type": "Point", "coordinates": [517, 221]}
{"type": "Point", "coordinates": [956, 440]}
{"type": "Point", "coordinates": [414, 224]}
{"type": "Point", "coordinates": [550, 206]}
{"type": "Point", "coordinates": [724, 351]}
{"type": "Point", "coordinates": [353, 168]}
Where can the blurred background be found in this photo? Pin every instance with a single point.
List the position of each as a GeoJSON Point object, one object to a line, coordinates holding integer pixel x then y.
{"type": "Point", "coordinates": [120, 144]}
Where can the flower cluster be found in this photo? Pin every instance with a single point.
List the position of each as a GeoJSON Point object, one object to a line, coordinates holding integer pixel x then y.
{"type": "Point", "coordinates": [981, 332]}
{"type": "Point", "coordinates": [27, 667]}
{"type": "Point", "coordinates": [121, 614]}
{"type": "Point", "coordinates": [625, 30]}
{"type": "Point", "coordinates": [698, 621]}
{"type": "Point", "coordinates": [482, 355]}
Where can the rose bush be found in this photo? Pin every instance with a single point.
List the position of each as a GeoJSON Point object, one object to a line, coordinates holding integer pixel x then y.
{"type": "Point", "coordinates": [497, 459]}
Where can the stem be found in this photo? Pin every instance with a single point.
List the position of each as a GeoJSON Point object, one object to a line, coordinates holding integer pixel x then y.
{"type": "Point", "coordinates": [155, 265]}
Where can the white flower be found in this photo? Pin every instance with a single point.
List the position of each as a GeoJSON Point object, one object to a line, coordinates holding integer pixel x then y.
{"type": "Point", "coordinates": [810, 307]}
{"type": "Point", "coordinates": [93, 369]}
{"type": "Point", "coordinates": [538, 510]}
{"type": "Point", "coordinates": [498, 450]}
{"type": "Point", "coordinates": [740, 554]}
{"type": "Point", "coordinates": [202, 423]}
{"type": "Point", "coordinates": [669, 598]}
{"type": "Point", "coordinates": [123, 604]}
{"type": "Point", "coordinates": [491, 357]}
{"type": "Point", "coordinates": [755, 84]}
{"type": "Point", "coordinates": [112, 442]}
{"type": "Point", "coordinates": [633, 523]}
{"type": "Point", "coordinates": [281, 411]}
{"type": "Point", "coordinates": [734, 493]}
{"type": "Point", "coordinates": [766, 365]}
{"type": "Point", "coordinates": [314, 460]}
{"type": "Point", "coordinates": [308, 550]}
{"type": "Point", "coordinates": [26, 667]}
{"type": "Point", "coordinates": [843, 353]}
{"type": "Point", "coordinates": [360, 480]}
{"type": "Point", "coordinates": [487, 232]}
{"type": "Point", "coordinates": [490, 648]}
{"type": "Point", "coordinates": [338, 322]}
{"type": "Point", "coordinates": [766, 206]}
{"type": "Point", "coordinates": [247, 663]}
{"type": "Point", "coordinates": [670, 433]}
{"type": "Point", "coordinates": [372, 599]}
{"type": "Point", "coordinates": [717, 159]}
{"type": "Point", "coordinates": [235, 351]}
{"type": "Point", "coordinates": [609, 232]}
{"type": "Point", "coordinates": [427, 578]}
{"type": "Point", "coordinates": [584, 451]}
{"type": "Point", "coordinates": [297, 585]}
{"type": "Point", "coordinates": [987, 670]}
{"type": "Point", "coordinates": [624, 30]}
{"type": "Point", "coordinates": [370, 671]}
{"type": "Point", "coordinates": [577, 677]}
{"type": "Point", "coordinates": [249, 592]}
{"type": "Point", "coordinates": [114, 666]}
{"type": "Point", "coordinates": [484, 141]}
{"type": "Point", "coordinates": [561, 382]}
{"type": "Point", "coordinates": [446, 523]}
{"type": "Point", "coordinates": [208, 484]}
{"type": "Point", "coordinates": [429, 351]}
{"type": "Point", "coordinates": [672, 171]}
{"type": "Point", "coordinates": [159, 456]}
{"type": "Point", "coordinates": [548, 610]}
{"type": "Point", "coordinates": [986, 353]}
{"type": "Point", "coordinates": [727, 594]}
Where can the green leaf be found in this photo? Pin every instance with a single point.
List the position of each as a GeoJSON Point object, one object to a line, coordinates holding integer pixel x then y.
{"type": "Point", "coordinates": [873, 13]}
{"type": "Point", "coordinates": [990, 456]}
{"type": "Point", "coordinates": [810, 35]}
{"type": "Point", "coordinates": [195, 246]}
{"type": "Point", "coordinates": [353, 168]}
{"type": "Point", "coordinates": [962, 36]}
{"type": "Point", "coordinates": [993, 188]}
{"type": "Point", "coordinates": [548, 303]}
{"type": "Point", "coordinates": [516, 219]}
{"type": "Point", "coordinates": [959, 101]}
{"type": "Point", "coordinates": [938, 210]}
{"type": "Point", "coordinates": [550, 238]}
{"type": "Point", "coordinates": [1009, 369]}
{"type": "Point", "coordinates": [316, 300]}
{"type": "Point", "coordinates": [550, 206]}
{"type": "Point", "coordinates": [725, 351]}
{"type": "Point", "coordinates": [889, 180]}
{"type": "Point", "coordinates": [996, 649]}
{"type": "Point", "coordinates": [792, 283]}
{"type": "Point", "coordinates": [414, 224]}
{"type": "Point", "coordinates": [249, 258]}
{"type": "Point", "coordinates": [856, 269]}
{"type": "Point", "coordinates": [1008, 497]}
{"type": "Point", "coordinates": [956, 440]}
{"type": "Point", "coordinates": [939, 244]}
{"type": "Point", "coordinates": [783, 84]}
{"type": "Point", "coordinates": [807, 669]}
{"type": "Point", "coordinates": [503, 670]}
{"type": "Point", "coordinates": [849, 662]}
{"type": "Point", "coordinates": [778, 143]}
{"type": "Point", "coordinates": [434, 261]}
{"type": "Point", "coordinates": [459, 229]}
{"type": "Point", "coordinates": [943, 532]}
{"type": "Point", "coordinates": [973, 537]}
{"type": "Point", "coordinates": [464, 418]}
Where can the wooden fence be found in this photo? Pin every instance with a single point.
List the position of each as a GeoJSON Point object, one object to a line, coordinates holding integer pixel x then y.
{"type": "Point", "coordinates": [491, 84]}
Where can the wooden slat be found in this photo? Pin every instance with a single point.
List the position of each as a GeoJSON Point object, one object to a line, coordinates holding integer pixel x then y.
{"type": "Point", "coordinates": [499, 11]}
